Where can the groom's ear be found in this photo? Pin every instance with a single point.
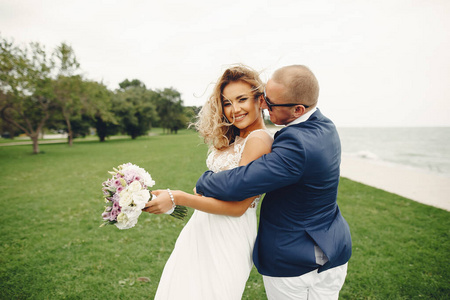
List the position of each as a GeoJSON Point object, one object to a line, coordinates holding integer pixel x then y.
{"type": "Point", "coordinates": [299, 110]}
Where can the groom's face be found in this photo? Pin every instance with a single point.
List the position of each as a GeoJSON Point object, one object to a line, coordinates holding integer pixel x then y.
{"type": "Point", "coordinates": [279, 115]}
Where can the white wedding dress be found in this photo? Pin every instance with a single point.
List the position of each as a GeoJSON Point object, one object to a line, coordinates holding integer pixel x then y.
{"type": "Point", "coordinates": [212, 258]}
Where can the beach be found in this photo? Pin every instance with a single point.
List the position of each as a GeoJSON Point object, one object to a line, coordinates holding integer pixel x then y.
{"type": "Point", "coordinates": [416, 184]}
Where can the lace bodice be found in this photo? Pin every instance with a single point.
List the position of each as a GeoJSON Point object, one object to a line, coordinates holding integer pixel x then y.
{"type": "Point", "coordinates": [221, 160]}
{"type": "Point", "coordinates": [229, 158]}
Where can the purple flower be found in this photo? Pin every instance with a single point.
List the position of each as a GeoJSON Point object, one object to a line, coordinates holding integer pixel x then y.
{"type": "Point", "coordinates": [114, 214]}
{"type": "Point", "coordinates": [116, 198]}
{"type": "Point", "coordinates": [129, 176]}
{"type": "Point", "coordinates": [112, 217]}
{"type": "Point", "coordinates": [116, 205]}
{"type": "Point", "coordinates": [106, 215]}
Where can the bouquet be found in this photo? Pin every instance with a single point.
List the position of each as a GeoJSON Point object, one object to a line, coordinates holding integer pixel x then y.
{"type": "Point", "coordinates": [126, 194]}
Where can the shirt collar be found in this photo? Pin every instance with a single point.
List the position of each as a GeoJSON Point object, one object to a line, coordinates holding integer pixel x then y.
{"type": "Point", "coordinates": [303, 117]}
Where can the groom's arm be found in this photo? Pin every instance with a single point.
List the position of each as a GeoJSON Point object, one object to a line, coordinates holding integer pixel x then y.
{"type": "Point", "coordinates": [282, 167]}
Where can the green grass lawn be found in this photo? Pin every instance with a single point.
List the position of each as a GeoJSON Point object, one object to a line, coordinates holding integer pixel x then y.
{"type": "Point", "coordinates": [52, 248]}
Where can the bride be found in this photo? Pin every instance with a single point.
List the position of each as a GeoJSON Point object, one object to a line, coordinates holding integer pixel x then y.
{"type": "Point", "coordinates": [212, 258]}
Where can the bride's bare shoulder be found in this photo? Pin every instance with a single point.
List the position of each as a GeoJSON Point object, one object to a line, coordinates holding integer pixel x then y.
{"type": "Point", "coordinates": [261, 134]}
{"type": "Point", "coordinates": [257, 144]}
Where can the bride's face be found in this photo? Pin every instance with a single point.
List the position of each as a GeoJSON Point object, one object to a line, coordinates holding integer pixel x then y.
{"type": "Point", "coordinates": [240, 107]}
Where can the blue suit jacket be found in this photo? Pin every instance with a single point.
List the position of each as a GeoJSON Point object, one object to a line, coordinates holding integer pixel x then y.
{"type": "Point", "coordinates": [299, 211]}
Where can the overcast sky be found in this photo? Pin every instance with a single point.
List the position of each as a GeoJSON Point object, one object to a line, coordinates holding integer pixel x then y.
{"type": "Point", "coordinates": [379, 63]}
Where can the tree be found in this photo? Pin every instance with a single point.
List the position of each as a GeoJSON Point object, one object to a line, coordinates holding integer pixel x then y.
{"type": "Point", "coordinates": [170, 110]}
{"type": "Point", "coordinates": [105, 128]}
{"type": "Point", "coordinates": [134, 105]}
{"type": "Point", "coordinates": [7, 130]}
{"type": "Point", "coordinates": [86, 104]}
{"type": "Point", "coordinates": [25, 84]}
{"type": "Point", "coordinates": [133, 83]}
{"type": "Point", "coordinates": [69, 88]}
{"type": "Point", "coordinates": [100, 109]}
{"type": "Point", "coordinates": [81, 126]}
{"type": "Point", "coordinates": [69, 97]}
{"type": "Point", "coordinates": [191, 113]}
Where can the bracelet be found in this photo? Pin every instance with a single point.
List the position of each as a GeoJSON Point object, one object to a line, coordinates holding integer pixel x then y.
{"type": "Point", "coordinates": [171, 198]}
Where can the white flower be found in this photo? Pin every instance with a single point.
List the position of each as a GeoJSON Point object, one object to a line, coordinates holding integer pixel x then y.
{"type": "Point", "coordinates": [148, 181]}
{"type": "Point", "coordinates": [132, 212]}
{"type": "Point", "coordinates": [128, 167]}
{"type": "Point", "coordinates": [128, 218]}
{"type": "Point", "coordinates": [144, 175]}
{"type": "Point", "coordinates": [140, 198]}
{"type": "Point", "coordinates": [122, 218]}
{"type": "Point", "coordinates": [125, 198]}
{"type": "Point", "coordinates": [135, 186]}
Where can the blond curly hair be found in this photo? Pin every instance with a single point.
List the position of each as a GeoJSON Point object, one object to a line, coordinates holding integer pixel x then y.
{"type": "Point", "coordinates": [211, 123]}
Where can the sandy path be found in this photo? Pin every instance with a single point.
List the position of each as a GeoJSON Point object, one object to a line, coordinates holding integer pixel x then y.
{"type": "Point", "coordinates": [415, 184]}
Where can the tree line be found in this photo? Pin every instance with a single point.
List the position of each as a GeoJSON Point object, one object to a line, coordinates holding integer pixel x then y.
{"type": "Point", "coordinates": [41, 90]}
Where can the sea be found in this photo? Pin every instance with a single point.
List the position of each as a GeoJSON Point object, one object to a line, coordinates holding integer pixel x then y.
{"type": "Point", "coordinates": [426, 148]}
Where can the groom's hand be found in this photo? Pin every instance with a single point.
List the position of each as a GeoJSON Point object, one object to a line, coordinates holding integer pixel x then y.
{"type": "Point", "coordinates": [159, 204]}
{"type": "Point", "coordinates": [195, 192]}
{"type": "Point", "coordinates": [199, 186]}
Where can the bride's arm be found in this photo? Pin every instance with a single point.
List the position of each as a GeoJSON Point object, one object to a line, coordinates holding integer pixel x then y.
{"type": "Point", "coordinates": [210, 205]}
{"type": "Point", "coordinates": [254, 148]}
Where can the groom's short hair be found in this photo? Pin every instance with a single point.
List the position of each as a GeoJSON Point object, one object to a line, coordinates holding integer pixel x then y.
{"type": "Point", "coordinates": [301, 84]}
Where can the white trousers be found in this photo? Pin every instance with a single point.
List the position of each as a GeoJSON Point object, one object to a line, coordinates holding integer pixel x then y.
{"type": "Point", "coordinates": [311, 286]}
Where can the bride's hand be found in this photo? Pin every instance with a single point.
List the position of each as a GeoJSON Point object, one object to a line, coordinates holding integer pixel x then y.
{"type": "Point", "coordinates": [159, 204]}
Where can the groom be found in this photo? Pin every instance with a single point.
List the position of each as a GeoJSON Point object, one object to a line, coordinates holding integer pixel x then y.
{"type": "Point", "coordinates": [303, 243]}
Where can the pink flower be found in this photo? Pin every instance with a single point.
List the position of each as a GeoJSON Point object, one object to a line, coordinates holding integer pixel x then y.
{"type": "Point", "coordinates": [113, 215]}
{"type": "Point", "coordinates": [115, 198]}
{"type": "Point", "coordinates": [106, 215]}
{"type": "Point", "coordinates": [116, 205]}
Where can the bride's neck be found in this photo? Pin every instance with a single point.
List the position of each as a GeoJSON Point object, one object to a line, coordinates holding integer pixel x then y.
{"type": "Point", "coordinates": [247, 132]}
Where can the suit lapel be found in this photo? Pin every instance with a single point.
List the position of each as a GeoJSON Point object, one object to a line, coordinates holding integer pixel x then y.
{"type": "Point", "coordinates": [277, 133]}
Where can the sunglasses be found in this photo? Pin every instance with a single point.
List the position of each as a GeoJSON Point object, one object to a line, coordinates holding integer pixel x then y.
{"type": "Point", "coordinates": [270, 104]}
